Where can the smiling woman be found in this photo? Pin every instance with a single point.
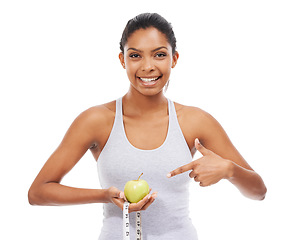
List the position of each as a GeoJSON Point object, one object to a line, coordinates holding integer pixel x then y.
{"type": "Point", "coordinates": [148, 59]}
{"type": "Point", "coordinates": [143, 131]}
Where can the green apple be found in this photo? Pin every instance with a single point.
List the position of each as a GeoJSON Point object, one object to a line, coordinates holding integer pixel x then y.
{"type": "Point", "coordinates": [136, 190]}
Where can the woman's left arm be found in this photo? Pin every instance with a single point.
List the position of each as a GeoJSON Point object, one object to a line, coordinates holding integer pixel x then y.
{"type": "Point", "coordinates": [220, 160]}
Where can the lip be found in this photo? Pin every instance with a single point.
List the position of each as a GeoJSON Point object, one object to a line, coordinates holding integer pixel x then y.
{"type": "Point", "coordinates": [150, 76]}
{"type": "Point", "coordinates": [151, 82]}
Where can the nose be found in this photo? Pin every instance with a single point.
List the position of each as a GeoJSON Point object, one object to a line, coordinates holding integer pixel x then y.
{"type": "Point", "coordinates": [147, 65]}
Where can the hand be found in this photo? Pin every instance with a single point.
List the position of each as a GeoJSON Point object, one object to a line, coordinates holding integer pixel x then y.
{"type": "Point", "coordinates": [118, 198]}
{"type": "Point", "coordinates": [207, 170]}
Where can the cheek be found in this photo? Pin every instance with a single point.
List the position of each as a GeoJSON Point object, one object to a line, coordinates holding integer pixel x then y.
{"type": "Point", "coordinates": [165, 67]}
{"type": "Point", "coordinates": [168, 63]}
{"type": "Point", "coordinates": [131, 69]}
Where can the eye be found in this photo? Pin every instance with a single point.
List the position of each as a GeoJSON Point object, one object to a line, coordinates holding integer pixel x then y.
{"type": "Point", "coordinates": [161, 55]}
{"type": "Point", "coordinates": [134, 55]}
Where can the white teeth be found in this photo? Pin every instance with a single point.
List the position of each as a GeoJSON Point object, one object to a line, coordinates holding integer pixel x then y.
{"type": "Point", "coordinates": [149, 79]}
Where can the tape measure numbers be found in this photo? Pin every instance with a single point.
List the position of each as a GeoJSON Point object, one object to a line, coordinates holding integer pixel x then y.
{"type": "Point", "coordinates": [126, 223]}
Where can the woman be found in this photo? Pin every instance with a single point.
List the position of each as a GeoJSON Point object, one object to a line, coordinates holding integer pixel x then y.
{"type": "Point", "coordinates": [145, 132]}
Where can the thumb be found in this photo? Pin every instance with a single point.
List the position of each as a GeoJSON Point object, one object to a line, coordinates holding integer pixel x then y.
{"type": "Point", "coordinates": [204, 151]}
{"type": "Point", "coordinates": [115, 192]}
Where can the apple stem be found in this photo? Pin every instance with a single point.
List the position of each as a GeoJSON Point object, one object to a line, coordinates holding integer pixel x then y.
{"type": "Point", "coordinates": [139, 176]}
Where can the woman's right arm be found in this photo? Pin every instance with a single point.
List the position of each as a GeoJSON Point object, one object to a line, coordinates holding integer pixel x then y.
{"type": "Point", "coordinates": [85, 132]}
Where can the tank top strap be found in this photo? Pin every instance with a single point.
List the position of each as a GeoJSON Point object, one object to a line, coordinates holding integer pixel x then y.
{"type": "Point", "coordinates": [117, 128]}
{"type": "Point", "coordinates": [175, 130]}
{"type": "Point", "coordinates": [119, 111]}
{"type": "Point", "coordinates": [172, 112]}
{"type": "Point", "coordinates": [174, 126]}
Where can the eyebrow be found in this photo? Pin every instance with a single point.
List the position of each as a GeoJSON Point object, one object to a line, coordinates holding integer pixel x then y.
{"type": "Point", "coordinates": [156, 49]}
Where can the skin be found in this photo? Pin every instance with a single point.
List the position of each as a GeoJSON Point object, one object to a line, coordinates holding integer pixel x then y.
{"type": "Point", "coordinates": [146, 54]}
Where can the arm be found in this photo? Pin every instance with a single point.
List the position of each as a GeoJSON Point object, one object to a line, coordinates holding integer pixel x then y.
{"type": "Point", "coordinates": [249, 183]}
{"type": "Point", "coordinates": [239, 172]}
{"type": "Point", "coordinates": [82, 134]}
{"type": "Point", "coordinates": [91, 128]}
{"type": "Point", "coordinates": [220, 160]}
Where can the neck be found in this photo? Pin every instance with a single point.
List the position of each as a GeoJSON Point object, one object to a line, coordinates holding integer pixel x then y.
{"type": "Point", "coordinates": [142, 104]}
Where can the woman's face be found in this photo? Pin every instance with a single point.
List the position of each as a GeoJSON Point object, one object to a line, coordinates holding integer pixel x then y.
{"type": "Point", "coordinates": [148, 60]}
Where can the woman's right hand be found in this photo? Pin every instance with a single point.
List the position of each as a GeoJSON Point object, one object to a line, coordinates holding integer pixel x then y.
{"type": "Point", "coordinates": [118, 198]}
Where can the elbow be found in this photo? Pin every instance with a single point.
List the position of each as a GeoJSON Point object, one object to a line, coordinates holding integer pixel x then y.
{"type": "Point", "coordinates": [255, 192]}
{"type": "Point", "coordinates": [39, 195]}
{"type": "Point", "coordinates": [262, 191]}
{"type": "Point", "coordinates": [32, 197]}
{"type": "Point", "coordinates": [259, 190]}
{"type": "Point", "coordinates": [259, 194]}
{"type": "Point", "coordinates": [263, 194]}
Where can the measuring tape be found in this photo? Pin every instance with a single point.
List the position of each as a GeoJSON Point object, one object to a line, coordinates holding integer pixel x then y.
{"type": "Point", "coordinates": [126, 223]}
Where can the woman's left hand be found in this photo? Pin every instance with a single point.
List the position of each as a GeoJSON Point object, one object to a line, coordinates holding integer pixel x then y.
{"type": "Point", "coordinates": [207, 170]}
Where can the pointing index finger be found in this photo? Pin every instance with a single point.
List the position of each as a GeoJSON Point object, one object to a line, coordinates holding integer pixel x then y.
{"type": "Point", "coordinates": [181, 169]}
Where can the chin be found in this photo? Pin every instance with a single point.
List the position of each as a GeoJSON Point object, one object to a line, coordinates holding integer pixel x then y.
{"type": "Point", "coordinates": [149, 92]}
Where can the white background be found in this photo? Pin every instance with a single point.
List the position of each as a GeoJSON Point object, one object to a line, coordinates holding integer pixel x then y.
{"type": "Point", "coordinates": [58, 58]}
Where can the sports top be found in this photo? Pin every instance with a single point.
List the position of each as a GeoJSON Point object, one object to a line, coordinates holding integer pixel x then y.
{"type": "Point", "coordinates": [167, 218]}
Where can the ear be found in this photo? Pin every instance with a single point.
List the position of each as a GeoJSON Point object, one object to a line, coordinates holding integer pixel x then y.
{"type": "Point", "coordinates": [175, 59]}
{"type": "Point", "coordinates": [121, 57]}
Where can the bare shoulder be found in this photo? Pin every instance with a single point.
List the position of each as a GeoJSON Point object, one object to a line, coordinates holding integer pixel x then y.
{"type": "Point", "coordinates": [98, 114]}
{"type": "Point", "coordinates": [191, 114]}
{"type": "Point", "coordinates": [94, 125]}
{"type": "Point", "coordinates": [194, 122]}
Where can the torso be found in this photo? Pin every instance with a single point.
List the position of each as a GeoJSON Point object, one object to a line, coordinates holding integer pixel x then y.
{"type": "Point", "coordinates": [138, 129]}
{"type": "Point", "coordinates": [153, 155]}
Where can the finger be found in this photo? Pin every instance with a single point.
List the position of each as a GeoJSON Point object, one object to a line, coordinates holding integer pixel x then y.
{"type": "Point", "coordinates": [181, 169]}
{"type": "Point", "coordinates": [151, 200]}
{"type": "Point", "coordinates": [195, 176]}
{"type": "Point", "coordinates": [204, 151]}
{"type": "Point", "coordinates": [116, 193]}
{"type": "Point", "coordinates": [125, 199]}
{"type": "Point", "coordinates": [122, 195]}
{"type": "Point", "coordinates": [197, 179]}
{"type": "Point", "coordinates": [192, 174]}
{"type": "Point", "coordinates": [118, 202]}
{"type": "Point", "coordinates": [138, 206]}
{"type": "Point", "coordinates": [204, 184]}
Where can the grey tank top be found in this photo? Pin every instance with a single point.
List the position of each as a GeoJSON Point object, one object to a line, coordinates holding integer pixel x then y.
{"type": "Point", "coordinates": [119, 162]}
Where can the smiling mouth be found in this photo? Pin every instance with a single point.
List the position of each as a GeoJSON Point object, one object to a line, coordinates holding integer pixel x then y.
{"type": "Point", "coordinates": [149, 79]}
